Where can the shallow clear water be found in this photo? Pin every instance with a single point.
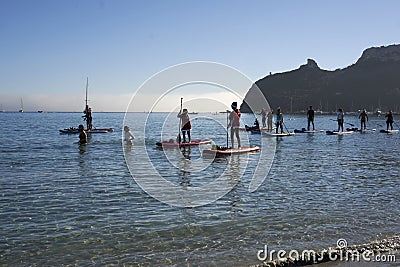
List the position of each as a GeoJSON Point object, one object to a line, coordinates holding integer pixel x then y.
{"type": "Point", "coordinates": [61, 203]}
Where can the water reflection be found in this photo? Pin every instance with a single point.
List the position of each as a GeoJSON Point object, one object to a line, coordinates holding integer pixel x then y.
{"type": "Point", "coordinates": [186, 152]}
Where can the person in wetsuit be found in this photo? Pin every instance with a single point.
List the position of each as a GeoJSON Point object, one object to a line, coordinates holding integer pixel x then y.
{"type": "Point", "coordinates": [279, 120]}
{"type": "Point", "coordinates": [340, 119]}
{"type": "Point", "coordinates": [310, 118]}
{"type": "Point", "coordinates": [88, 117]}
{"type": "Point", "coordinates": [389, 120]}
{"type": "Point", "coordinates": [364, 118]}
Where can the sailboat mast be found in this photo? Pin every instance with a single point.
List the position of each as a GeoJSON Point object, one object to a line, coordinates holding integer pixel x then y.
{"type": "Point", "coordinates": [22, 106]}
{"type": "Point", "coordinates": [87, 85]}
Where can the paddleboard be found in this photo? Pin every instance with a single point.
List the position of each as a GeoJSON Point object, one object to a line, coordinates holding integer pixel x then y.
{"type": "Point", "coordinates": [367, 131]}
{"type": "Point", "coordinates": [273, 134]}
{"type": "Point", "coordinates": [389, 131]}
{"type": "Point", "coordinates": [338, 133]}
{"type": "Point", "coordinates": [76, 131]}
{"type": "Point", "coordinates": [308, 131]}
{"type": "Point", "coordinates": [230, 151]}
{"type": "Point", "coordinates": [175, 144]}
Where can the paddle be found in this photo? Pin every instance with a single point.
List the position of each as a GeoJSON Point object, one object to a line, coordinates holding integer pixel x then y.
{"type": "Point", "coordinates": [286, 127]}
{"type": "Point", "coordinates": [227, 127]}
{"type": "Point", "coordinates": [345, 122]}
{"type": "Point", "coordinates": [179, 130]}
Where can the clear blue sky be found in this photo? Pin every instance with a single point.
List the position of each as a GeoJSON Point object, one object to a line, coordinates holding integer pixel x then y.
{"type": "Point", "coordinates": [49, 47]}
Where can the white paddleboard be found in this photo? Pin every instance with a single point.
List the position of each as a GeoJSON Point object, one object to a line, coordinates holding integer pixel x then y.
{"type": "Point", "coordinates": [274, 134]}
{"type": "Point", "coordinates": [338, 133]}
{"type": "Point", "coordinates": [390, 131]}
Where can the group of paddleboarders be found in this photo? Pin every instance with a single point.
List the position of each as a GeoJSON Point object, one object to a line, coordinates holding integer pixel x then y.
{"type": "Point", "coordinates": [266, 116]}
{"type": "Point", "coordinates": [363, 117]}
{"type": "Point", "coordinates": [279, 123]}
{"type": "Point", "coordinates": [234, 123]}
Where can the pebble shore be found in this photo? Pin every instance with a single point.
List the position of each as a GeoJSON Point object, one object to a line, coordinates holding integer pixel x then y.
{"type": "Point", "coordinates": [386, 246]}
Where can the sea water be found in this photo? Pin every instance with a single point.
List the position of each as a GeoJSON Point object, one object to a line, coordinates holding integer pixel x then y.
{"type": "Point", "coordinates": [66, 204]}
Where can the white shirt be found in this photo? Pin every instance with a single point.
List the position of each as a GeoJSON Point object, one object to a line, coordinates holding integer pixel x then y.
{"type": "Point", "coordinates": [128, 136]}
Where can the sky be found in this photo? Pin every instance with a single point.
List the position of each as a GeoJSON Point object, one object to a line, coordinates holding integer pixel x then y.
{"type": "Point", "coordinates": [49, 47]}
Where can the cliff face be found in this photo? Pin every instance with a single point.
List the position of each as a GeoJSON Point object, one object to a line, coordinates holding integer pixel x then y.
{"type": "Point", "coordinates": [372, 82]}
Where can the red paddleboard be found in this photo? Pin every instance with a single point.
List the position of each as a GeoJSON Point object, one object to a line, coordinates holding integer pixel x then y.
{"type": "Point", "coordinates": [230, 151]}
{"type": "Point", "coordinates": [174, 144]}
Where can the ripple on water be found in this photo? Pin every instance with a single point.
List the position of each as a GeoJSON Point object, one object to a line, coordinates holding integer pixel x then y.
{"type": "Point", "coordinates": [60, 204]}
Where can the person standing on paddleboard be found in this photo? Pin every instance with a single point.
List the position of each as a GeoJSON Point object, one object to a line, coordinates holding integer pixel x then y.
{"type": "Point", "coordinates": [340, 119]}
{"type": "Point", "coordinates": [128, 136]}
{"type": "Point", "coordinates": [310, 118]}
{"type": "Point", "coordinates": [279, 120]}
{"type": "Point", "coordinates": [389, 120]}
{"type": "Point", "coordinates": [88, 117]}
{"type": "Point", "coordinates": [263, 114]}
{"type": "Point", "coordinates": [234, 123]}
{"type": "Point", "coordinates": [186, 126]}
{"type": "Point", "coordinates": [82, 135]}
{"type": "Point", "coordinates": [364, 118]}
{"type": "Point", "coordinates": [269, 121]}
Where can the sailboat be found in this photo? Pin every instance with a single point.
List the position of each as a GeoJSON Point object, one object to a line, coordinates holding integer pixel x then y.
{"type": "Point", "coordinates": [22, 106]}
{"type": "Point", "coordinates": [73, 130]}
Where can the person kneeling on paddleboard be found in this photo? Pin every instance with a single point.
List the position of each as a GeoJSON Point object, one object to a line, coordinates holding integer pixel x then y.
{"type": "Point", "coordinates": [279, 120]}
{"type": "Point", "coordinates": [186, 126]}
{"type": "Point", "coordinates": [234, 123]}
